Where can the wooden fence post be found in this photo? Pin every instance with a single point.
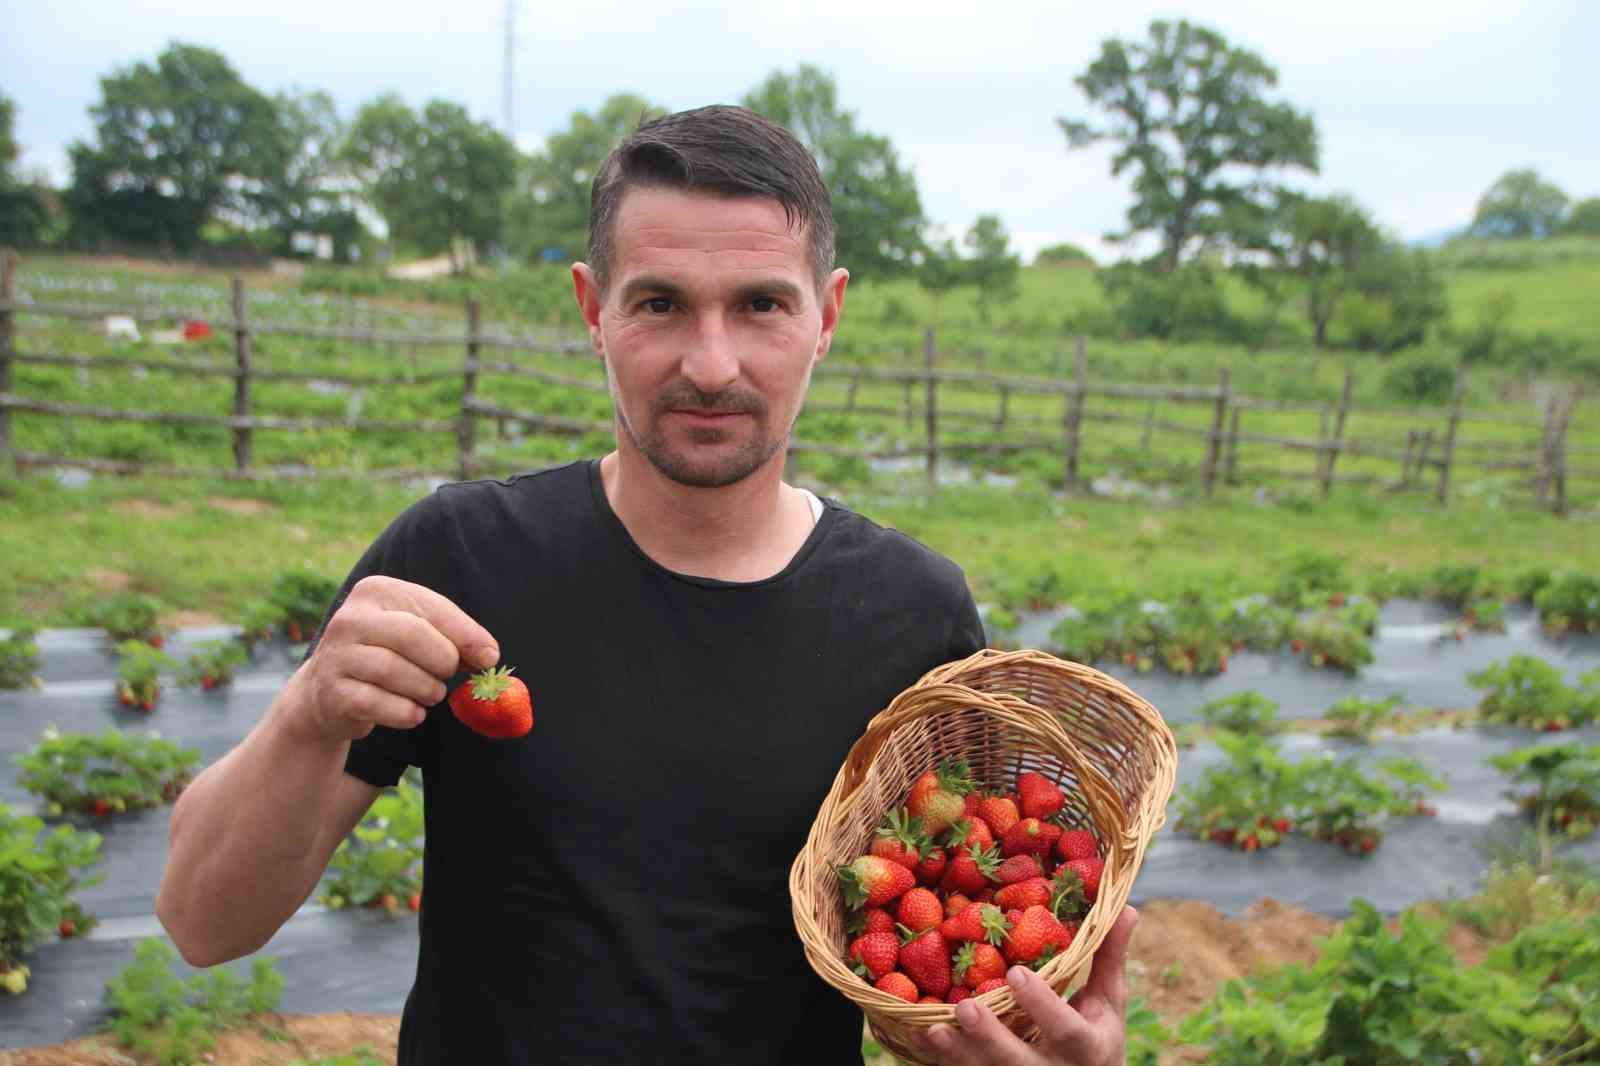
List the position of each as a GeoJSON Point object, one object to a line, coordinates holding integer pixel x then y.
{"type": "Point", "coordinates": [469, 388]}
{"type": "Point", "coordinates": [1331, 455]}
{"type": "Point", "coordinates": [1231, 475]}
{"type": "Point", "coordinates": [1149, 427]}
{"type": "Point", "coordinates": [1424, 453]}
{"type": "Point", "coordinates": [1558, 473]}
{"type": "Point", "coordinates": [929, 359]}
{"type": "Point", "coordinates": [1074, 420]}
{"type": "Point", "coordinates": [1546, 452]}
{"type": "Point", "coordinates": [1214, 438]}
{"type": "Point", "coordinates": [241, 379]}
{"type": "Point", "coordinates": [8, 292]}
{"type": "Point", "coordinates": [1406, 461]}
{"type": "Point", "coordinates": [855, 384]}
{"type": "Point", "coordinates": [1450, 433]}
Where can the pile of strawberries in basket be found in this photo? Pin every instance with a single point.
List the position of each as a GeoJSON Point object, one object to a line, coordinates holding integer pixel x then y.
{"type": "Point", "coordinates": [961, 884]}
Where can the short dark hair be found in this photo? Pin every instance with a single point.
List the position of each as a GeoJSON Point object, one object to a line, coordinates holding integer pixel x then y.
{"type": "Point", "coordinates": [728, 150]}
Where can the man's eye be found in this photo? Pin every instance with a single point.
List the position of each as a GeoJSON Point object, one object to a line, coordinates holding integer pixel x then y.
{"type": "Point", "coordinates": [659, 305]}
{"type": "Point", "coordinates": [764, 304]}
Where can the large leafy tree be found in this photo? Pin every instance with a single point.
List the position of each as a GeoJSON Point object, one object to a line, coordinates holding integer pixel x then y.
{"type": "Point", "coordinates": [1520, 204]}
{"type": "Point", "coordinates": [1190, 117]}
{"type": "Point", "coordinates": [435, 176]}
{"type": "Point", "coordinates": [877, 210]}
{"type": "Point", "coordinates": [176, 144]}
{"type": "Point", "coordinates": [550, 214]}
{"type": "Point", "coordinates": [23, 216]}
{"type": "Point", "coordinates": [1323, 244]}
{"type": "Point", "coordinates": [1584, 220]}
{"type": "Point", "coordinates": [994, 269]}
{"type": "Point", "coordinates": [304, 186]}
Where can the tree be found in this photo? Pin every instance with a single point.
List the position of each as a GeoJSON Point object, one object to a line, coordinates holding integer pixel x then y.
{"type": "Point", "coordinates": [991, 266]}
{"type": "Point", "coordinates": [304, 185]}
{"type": "Point", "coordinates": [175, 144]}
{"type": "Point", "coordinates": [1397, 296]}
{"type": "Point", "coordinates": [550, 214]}
{"type": "Point", "coordinates": [23, 214]}
{"type": "Point", "coordinates": [1188, 113]}
{"type": "Point", "coordinates": [1584, 220]}
{"type": "Point", "coordinates": [877, 210]}
{"type": "Point", "coordinates": [1324, 243]}
{"type": "Point", "coordinates": [1064, 254]}
{"type": "Point", "coordinates": [435, 176]}
{"type": "Point", "coordinates": [1520, 204]}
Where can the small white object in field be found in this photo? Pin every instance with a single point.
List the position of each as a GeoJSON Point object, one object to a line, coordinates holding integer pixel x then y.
{"type": "Point", "coordinates": [167, 336]}
{"type": "Point", "coordinates": [121, 327]}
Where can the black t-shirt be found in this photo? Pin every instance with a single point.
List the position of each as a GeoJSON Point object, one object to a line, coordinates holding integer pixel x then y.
{"type": "Point", "coordinates": [613, 887]}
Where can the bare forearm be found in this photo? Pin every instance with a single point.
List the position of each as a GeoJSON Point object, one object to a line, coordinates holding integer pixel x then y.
{"type": "Point", "coordinates": [244, 850]}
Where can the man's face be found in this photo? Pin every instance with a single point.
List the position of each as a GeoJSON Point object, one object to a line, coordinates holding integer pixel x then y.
{"type": "Point", "coordinates": [709, 327]}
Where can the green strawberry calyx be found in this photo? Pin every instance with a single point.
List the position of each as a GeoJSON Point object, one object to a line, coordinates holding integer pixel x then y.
{"type": "Point", "coordinates": [489, 685]}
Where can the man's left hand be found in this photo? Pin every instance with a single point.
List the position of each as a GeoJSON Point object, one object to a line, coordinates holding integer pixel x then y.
{"type": "Point", "coordinates": [1087, 1031]}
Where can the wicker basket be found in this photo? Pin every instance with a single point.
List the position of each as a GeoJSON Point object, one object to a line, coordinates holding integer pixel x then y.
{"type": "Point", "coordinates": [1004, 712]}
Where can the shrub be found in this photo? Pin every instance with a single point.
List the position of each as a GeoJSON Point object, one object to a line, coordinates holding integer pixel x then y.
{"type": "Point", "coordinates": [173, 1022]}
{"type": "Point", "coordinates": [258, 620]}
{"type": "Point", "coordinates": [130, 616]}
{"type": "Point", "coordinates": [1246, 802]}
{"type": "Point", "coordinates": [110, 773]}
{"type": "Point", "coordinates": [19, 658]}
{"type": "Point", "coordinates": [37, 880]}
{"type": "Point", "coordinates": [1567, 785]}
{"type": "Point", "coordinates": [1529, 692]}
{"type": "Point", "coordinates": [1243, 712]}
{"type": "Point", "coordinates": [139, 669]}
{"type": "Point", "coordinates": [1570, 603]}
{"type": "Point", "coordinates": [1308, 577]}
{"type": "Point", "coordinates": [303, 597]}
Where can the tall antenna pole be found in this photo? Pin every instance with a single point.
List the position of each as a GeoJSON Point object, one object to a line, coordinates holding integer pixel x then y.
{"type": "Point", "coordinates": [508, 86]}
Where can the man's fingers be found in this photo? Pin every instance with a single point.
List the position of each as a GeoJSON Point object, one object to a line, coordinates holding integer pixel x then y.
{"type": "Point", "coordinates": [477, 647]}
{"type": "Point", "coordinates": [1060, 1025]}
{"type": "Point", "coordinates": [387, 669]}
{"type": "Point", "coordinates": [368, 703]}
{"type": "Point", "coordinates": [978, 1038]}
{"type": "Point", "coordinates": [1105, 978]}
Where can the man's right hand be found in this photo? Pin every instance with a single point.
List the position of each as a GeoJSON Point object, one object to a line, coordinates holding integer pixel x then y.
{"type": "Point", "coordinates": [383, 659]}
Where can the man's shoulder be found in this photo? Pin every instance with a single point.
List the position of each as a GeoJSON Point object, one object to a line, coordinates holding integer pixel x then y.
{"type": "Point", "coordinates": [900, 553]}
{"type": "Point", "coordinates": [568, 478]}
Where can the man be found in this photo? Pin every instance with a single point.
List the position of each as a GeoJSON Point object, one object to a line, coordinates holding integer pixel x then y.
{"type": "Point", "coordinates": [703, 643]}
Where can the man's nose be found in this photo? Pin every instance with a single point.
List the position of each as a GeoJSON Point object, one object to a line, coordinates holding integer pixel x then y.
{"type": "Point", "coordinates": [711, 361]}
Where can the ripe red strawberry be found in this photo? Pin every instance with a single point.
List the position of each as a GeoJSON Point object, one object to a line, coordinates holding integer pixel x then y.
{"type": "Point", "coordinates": [100, 806]}
{"type": "Point", "coordinates": [937, 796]}
{"type": "Point", "coordinates": [1036, 931]}
{"type": "Point", "coordinates": [1034, 892]}
{"type": "Point", "coordinates": [977, 921]}
{"type": "Point", "coordinates": [926, 960]}
{"type": "Point", "coordinates": [999, 813]}
{"type": "Point", "coordinates": [157, 641]}
{"type": "Point", "coordinates": [931, 868]}
{"type": "Point", "coordinates": [1028, 837]}
{"type": "Point", "coordinates": [871, 881]}
{"type": "Point", "coordinates": [898, 985]}
{"type": "Point", "coordinates": [930, 999]}
{"type": "Point", "coordinates": [1040, 796]}
{"type": "Point", "coordinates": [900, 839]}
{"type": "Point", "coordinates": [877, 920]}
{"type": "Point", "coordinates": [1019, 868]}
{"type": "Point", "coordinates": [68, 927]}
{"type": "Point", "coordinates": [989, 986]}
{"type": "Point", "coordinates": [920, 910]}
{"type": "Point", "coordinates": [1088, 871]}
{"type": "Point", "coordinates": [970, 833]}
{"type": "Point", "coordinates": [1076, 844]}
{"type": "Point", "coordinates": [977, 963]}
{"type": "Point", "coordinates": [292, 631]}
{"type": "Point", "coordinates": [875, 954]}
{"type": "Point", "coordinates": [969, 803]}
{"type": "Point", "coordinates": [970, 872]}
{"type": "Point", "coordinates": [494, 703]}
{"type": "Point", "coordinates": [957, 993]}
{"type": "Point", "coordinates": [1281, 825]}
{"type": "Point", "coordinates": [983, 896]}
{"type": "Point", "coordinates": [1297, 645]}
{"type": "Point", "coordinates": [954, 904]}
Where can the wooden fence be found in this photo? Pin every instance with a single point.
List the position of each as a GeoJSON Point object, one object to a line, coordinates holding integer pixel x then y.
{"type": "Point", "coordinates": [1434, 450]}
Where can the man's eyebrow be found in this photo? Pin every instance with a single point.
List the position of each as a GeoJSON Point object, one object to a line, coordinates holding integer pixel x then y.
{"type": "Point", "coordinates": [782, 288]}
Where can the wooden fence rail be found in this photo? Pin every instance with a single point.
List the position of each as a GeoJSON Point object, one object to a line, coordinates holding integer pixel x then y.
{"type": "Point", "coordinates": [1435, 442]}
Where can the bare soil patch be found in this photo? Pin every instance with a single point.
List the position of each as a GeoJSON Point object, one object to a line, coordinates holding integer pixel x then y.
{"type": "Point", "coordinates": [191, 618]}
{"type": "Point", "coordinates": [148, 508]}
{"type": "Point", "coordinates": [308, 1037]}
{"type": "Point", "coordinates": [239, 505]}
{"type": "Point", "coordinates": [108, 580]}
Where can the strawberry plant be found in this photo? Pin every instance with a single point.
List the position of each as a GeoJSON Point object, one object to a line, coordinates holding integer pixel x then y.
{"type": "Point", "coordinates": [172, 1022]}
{"type": "Point", "coordinates": [1529, 692]}
{"type": "Point", "coordinates": [1570, 604]}
{"type": "Point", "coordinates": [1559, 962]}
{"type": "Point", "coordinates": [130, 616]}
{"type": "Point", "coordinates": [19, 658]}
{"type": "Point", "coordinates": [1338, 638]}
{"type": "Point", "coordinates": [1392, 583]}
{"type": "Point", "coordinates": [1342, 805]}
{"type": "Point", "coordinates": [303, 597]}
{"type": "Point", "coordinates": [1528, 584]}
{"type": "Point", "coordinates": [1001, 624]}
{"type": "Point", "coordinates": [1457, 584]}
{"type": "Point", "coordinates": [1487, 616]}
{"type": "Point", "coordinates": [139, 668]}
{"type": "Point", "coordinates": [213, 663]}
{"type": "Point", "coordinates": [37, 879]}
{"type": "Point", "coordinates": [382, 866]}
{"type": "Point", "coordinates": [1566, 780]}
{"type": "Point", "coordinates": [258, 621]}
{"type": "Point", "coordinates": [1243, 712]}
{"type": "Point", "coordinates": [1359, 719]}
{"type": "Point", "coordinates": [1247, 802]}
{"type": "Point", "coordinates": [1145, 1035]}
{"type": "Point", "coordinates": [1258, 623]}
{"type": "Point", "coordinates": [1516, 896]}
{"type": "Point", "coordinates": [101, 775]}
{"type": "Point", "coordinates": [1410, 782]}
{"type": "Point", "coordinates": [1309, 578]}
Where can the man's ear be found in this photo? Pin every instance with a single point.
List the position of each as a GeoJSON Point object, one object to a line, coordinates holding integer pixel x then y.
{"type": "Point", "coordinates": [832, 309]}
{"type": "Point", "coordinates": [590, 299]}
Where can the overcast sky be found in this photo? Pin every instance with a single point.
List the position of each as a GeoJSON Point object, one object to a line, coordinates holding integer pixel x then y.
{"type": "Point", "coordinates": [1420, 106]}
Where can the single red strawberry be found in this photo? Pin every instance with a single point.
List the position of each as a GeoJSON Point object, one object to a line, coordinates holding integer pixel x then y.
{"type": "Point", "coordinates": [157, 641]}
{"type": "Point", "coordinates": [977, 963]}
{"type": "Point", "coordinates": [1028, 837]}
{"type": "Point", "coordinates": [977, 921]}
{"type": "Point", "coordinates": [1018, 868]}
{"type": "Point", "coordinates": [999, 813]}
{"type": "Point", "coordinates": [1040, 796]}
{"type": "Point", "coordinates": [875, 954]}
{"type": "Point", "coordinates": [985, 895]}
{"type": "Point", "coordinates": [1076, 844]}
{"type": "Point", "coordinates": [1088, 871]}
{"type": "Point", "coordinates": [292, 631]}
{"type": "Point", "coordinates": [871, 881]}
{"type": "Point", "coordinates": [931, 999]}
{"type": "Point", "coordinates": [1035, 931]}
{"type": "Point", "coordinates": [494, 703]}
{"type": "Point", "coordinates": [954, 904]}
{"type": "Point", "coordinates": [970, 833]}
{"type": "Point", "coordinates": [877, 920]}
{"type": "Point", "coordinates": [920, 910]}
{"type": "Point", "coordinates": [100, 806]}
{"type": "Point", "coordinates": [991, 985]}
{"type": "Point", "coordinates": [957, 993]}
{"type": "Point", "coordinates": [900, 839]}
{"type": "Point", "coordinates": [937, 797]}
{"type": "Point", "coordinates": [67, 927]}
{"type": "Point", "coordinates": [1281, 825]}
{"type": "Point", "coordinates": [1034, 892]}
{"type": "Point", "coordinates": [931, 868]}
{"type": "Point", "coordinates": [898, 985]}
{"type": "Point", "coordinates": [971, 871]}
{"type": "Point", "coordinates": [926, 960]}
{"type": "Point", "coordinates": [969, 803]}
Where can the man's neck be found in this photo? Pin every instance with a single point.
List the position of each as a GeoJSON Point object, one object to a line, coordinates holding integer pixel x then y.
{"type": "Point", "coordinates": [746, 531]}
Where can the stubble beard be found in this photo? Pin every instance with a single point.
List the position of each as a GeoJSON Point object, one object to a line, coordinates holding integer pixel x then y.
{"type": "Point", "coordinates": [720, 462]}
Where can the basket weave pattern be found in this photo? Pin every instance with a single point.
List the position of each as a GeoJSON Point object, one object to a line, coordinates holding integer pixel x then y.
{"type": "Point", "coordinates": [1005, 713]}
